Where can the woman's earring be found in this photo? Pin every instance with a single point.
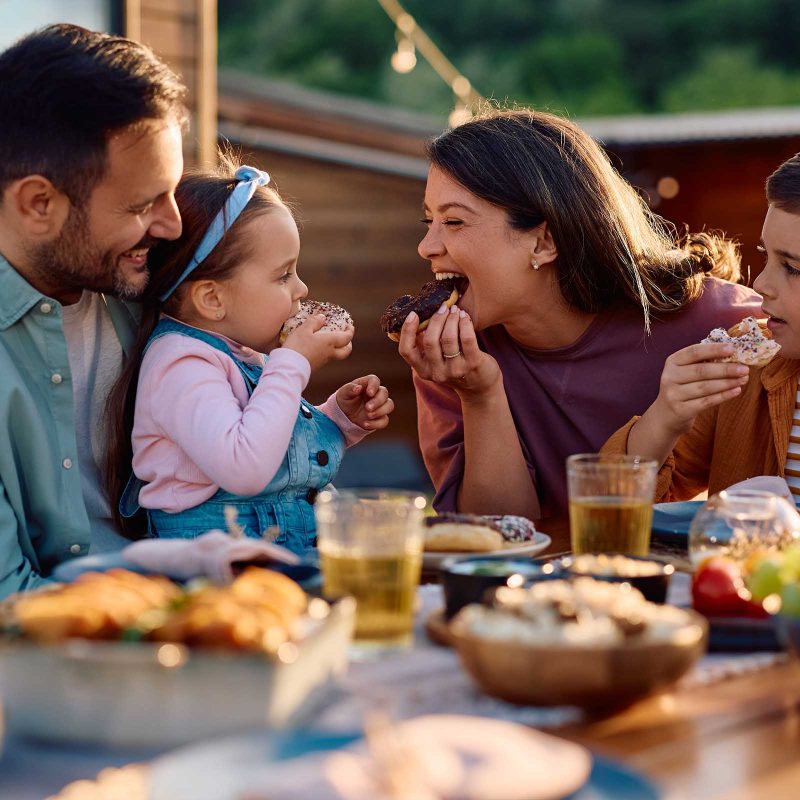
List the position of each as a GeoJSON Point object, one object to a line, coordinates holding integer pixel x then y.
{"type": "Point", "coordinates": [534, 263]}
{"type": "Point", "coordinates": [219, 313]}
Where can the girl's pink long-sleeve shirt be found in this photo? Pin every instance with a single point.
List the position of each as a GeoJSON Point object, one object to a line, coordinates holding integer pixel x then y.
{"type": "Point", "coordinates": [196, 430]}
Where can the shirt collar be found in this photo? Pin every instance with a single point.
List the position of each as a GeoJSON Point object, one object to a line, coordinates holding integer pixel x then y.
{"type": "Point", "coordinates": [17, 296]}
{"type": "Point", "coordinates": [778, 371]}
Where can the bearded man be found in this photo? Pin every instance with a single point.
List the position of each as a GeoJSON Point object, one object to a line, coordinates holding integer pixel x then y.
{"type": "Point", "coordinates": [90, 155]}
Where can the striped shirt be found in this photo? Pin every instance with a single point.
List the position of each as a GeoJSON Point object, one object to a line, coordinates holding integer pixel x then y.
{"type": "Point", "coordinates": [792, 468]}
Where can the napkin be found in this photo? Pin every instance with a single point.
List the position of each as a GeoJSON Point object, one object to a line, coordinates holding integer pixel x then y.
{"type": "Point", "coordinates": [765, 483]}
{"type": "Point", "coordinates": [212, 554]}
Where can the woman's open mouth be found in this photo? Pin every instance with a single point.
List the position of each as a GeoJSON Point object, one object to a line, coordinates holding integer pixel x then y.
{"type": "Point", "coordinates": [460, 282]}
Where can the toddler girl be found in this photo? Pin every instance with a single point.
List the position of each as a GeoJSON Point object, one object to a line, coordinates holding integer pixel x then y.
{"type": "Point", "coordinates": [714, 424]}
{"type": "Point", "coordinates": [207, 419]}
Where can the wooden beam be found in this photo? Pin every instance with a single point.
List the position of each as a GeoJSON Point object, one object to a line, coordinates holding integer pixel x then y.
{"type": "Point", "coordinates": [206, 98]}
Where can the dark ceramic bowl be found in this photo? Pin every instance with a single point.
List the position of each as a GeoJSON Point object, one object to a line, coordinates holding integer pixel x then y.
{"type": "Point", "coordinates": [652, 585]}
{"type": "Point", "coordinates": [467, 580]}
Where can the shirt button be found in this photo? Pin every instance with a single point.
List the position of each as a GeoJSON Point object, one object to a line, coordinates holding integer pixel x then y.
{"type": "Point", "coordinates": [45, 308]}
{"type": "Point", "coordinates": [67, 463]}
{"type": "Point", "coordinates": [56, 378]}
{"type": "Point", "coordinates": [311, 496]}
{"type": "Point", "coordinates": [75, 548]}
{"type": "Point", "coordinates": [322, 458]}
{"type": "Point", "coordinates": [305, 412]}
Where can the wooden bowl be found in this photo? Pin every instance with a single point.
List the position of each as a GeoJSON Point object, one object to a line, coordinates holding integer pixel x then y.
{"type": "Point", "coordinates": [595, 678]}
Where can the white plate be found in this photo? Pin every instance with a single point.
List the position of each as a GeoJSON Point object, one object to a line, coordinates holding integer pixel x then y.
{"type": "Point", "coordinates": [474, 758]}
{"type": "Point", "coordinates": [541, 541]}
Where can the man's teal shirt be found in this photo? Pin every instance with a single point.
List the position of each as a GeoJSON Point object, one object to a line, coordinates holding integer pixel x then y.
{"type": "Point", "coordinates": [43, 520]}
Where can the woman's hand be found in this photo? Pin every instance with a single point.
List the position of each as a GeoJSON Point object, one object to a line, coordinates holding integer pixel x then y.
{"type": "Point", "coordinates": [320, 347]}
{"type": "Point", "coordinates": [447, 352]}
{"type": "Point", "coordinates": [693, 380]}
{"type": "Point", "coordinates": [366, 403]}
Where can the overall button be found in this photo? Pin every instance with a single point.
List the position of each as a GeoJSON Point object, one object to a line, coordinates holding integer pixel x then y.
{"type": "Point", "coordinates": [305, 412]}
{"type": "Point", "coordinates": [56, 378]}
{"type": "Point", "coordinates": [322, 458]}
{"type": "Point", "coordinates": [75, 548]}
{"type": "Point", "coordinates": [311, 496]}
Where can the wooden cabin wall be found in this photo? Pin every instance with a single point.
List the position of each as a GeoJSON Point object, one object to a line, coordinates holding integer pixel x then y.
{"type": "Point", "coordinates": [184, 34]}
{"type": "Point", "coordinates": [721, 185]}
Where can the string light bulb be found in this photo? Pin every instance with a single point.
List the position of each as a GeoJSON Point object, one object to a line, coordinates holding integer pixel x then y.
{"type": "Point", "coordinates": [411, 38]}
{"type": "Point", "coordinates": [404, 59]}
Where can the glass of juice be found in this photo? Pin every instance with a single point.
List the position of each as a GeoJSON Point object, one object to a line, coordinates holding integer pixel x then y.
{"type": "Point", "coordinates": [370, 547]}
{"type": "Point", "coordinates": [610, 503]}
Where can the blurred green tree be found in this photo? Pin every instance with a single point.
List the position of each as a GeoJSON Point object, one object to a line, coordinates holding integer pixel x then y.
{"type": "Point", "coordinates": [584, 57]}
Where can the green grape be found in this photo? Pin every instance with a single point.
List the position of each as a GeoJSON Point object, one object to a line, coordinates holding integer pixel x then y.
{"type": "Point", "coordinates": [790, 571]}
{"type": "Point", "coordinates": [790, 600]}
{"type": "Point", "coordinates": [765, 579]}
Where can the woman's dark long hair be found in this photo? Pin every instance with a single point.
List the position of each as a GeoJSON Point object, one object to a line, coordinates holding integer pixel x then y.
{"type": "Point", "coordinates": [200, 196]}
{"type": "Point", "coordinates": [612, 249]}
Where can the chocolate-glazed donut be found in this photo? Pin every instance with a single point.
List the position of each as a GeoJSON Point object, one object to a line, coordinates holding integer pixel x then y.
{"type": "Point", "coordinates": [425, 303]}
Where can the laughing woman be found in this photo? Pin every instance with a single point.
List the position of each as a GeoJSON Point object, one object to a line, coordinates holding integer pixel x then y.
{"type": "Point", "coordinates": [576, 294]}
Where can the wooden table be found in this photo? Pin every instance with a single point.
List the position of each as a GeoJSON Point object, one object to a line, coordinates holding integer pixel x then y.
{"type": "Point", "coordinates": [734, 740]}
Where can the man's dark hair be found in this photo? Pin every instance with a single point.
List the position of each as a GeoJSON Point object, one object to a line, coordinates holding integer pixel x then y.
{"type": "Point", "coordinates": [64, 90]}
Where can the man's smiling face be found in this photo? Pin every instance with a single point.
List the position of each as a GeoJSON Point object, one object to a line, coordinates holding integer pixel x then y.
{"type": "Point", "coordinates": [103, 246]}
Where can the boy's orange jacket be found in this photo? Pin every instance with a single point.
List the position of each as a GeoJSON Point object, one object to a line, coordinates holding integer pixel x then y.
{"type": "Point", "coordinates": [739, 439]}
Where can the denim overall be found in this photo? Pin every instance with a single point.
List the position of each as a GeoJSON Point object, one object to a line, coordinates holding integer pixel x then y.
{"type": "Point", "coordinates": [312, 460]}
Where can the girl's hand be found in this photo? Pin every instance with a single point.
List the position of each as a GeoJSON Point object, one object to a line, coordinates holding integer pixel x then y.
{"type": "Point", "coordinates": [694, 380]}
{"type": "Point", "coordinates": [366, 403]}
{"type": "Point", "coordinates": [447, 352]}
{"type": "Point", "coordinates": [320, 347]}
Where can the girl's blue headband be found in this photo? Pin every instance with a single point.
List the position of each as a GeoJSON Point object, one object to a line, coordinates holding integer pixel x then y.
{"type": "Point", "coordinates": [248, 179]}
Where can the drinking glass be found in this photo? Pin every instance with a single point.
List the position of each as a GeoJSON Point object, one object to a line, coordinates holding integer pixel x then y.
{"type": "Point", "coordinates": [370, 546]}
{"type": "Point", "coordinates": [738, 522]}
{"type": "Point", "coordinates": [610, 503]}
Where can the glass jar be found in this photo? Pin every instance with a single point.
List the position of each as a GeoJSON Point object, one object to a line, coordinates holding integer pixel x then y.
{"type": "Point", "coordinates": [739, 522]}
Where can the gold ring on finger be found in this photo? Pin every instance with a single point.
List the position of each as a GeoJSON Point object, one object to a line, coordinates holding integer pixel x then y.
{"type": "Point", "coordinates": [452, 355]}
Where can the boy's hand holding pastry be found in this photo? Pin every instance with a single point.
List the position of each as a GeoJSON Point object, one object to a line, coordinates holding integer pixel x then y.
{"type": "Point", "coordinates": [320, 346]}
{"type": "Point", "coordinates": [694, 379]}
{"type": "Point", "coordinates": [366, 403]}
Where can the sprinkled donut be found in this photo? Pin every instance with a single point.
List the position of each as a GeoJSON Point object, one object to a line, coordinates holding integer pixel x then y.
{"type": "Point", "coordinates": [425, 303]}
{"type": "Point", "coordinates": [336, 318]}
{"type": "Point", "coordinates": [752, 342]}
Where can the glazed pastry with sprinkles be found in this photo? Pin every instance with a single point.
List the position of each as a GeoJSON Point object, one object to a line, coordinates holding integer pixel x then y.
{"type": "Point", "coordinates": [752, 341]}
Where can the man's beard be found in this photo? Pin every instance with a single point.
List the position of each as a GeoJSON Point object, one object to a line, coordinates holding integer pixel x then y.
{"type": "Point", "coordinates": [74, 261]}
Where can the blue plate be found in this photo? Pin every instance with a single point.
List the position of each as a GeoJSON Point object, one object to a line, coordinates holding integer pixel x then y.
{"type": "Point", "coordinates": [178, 774]}
{"type": "Point", "coordinates": [675, 518]}
{"type": "Point", "coordinates": [609, 780]}
{"type": "Point", "coordinates": [306, 573]}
